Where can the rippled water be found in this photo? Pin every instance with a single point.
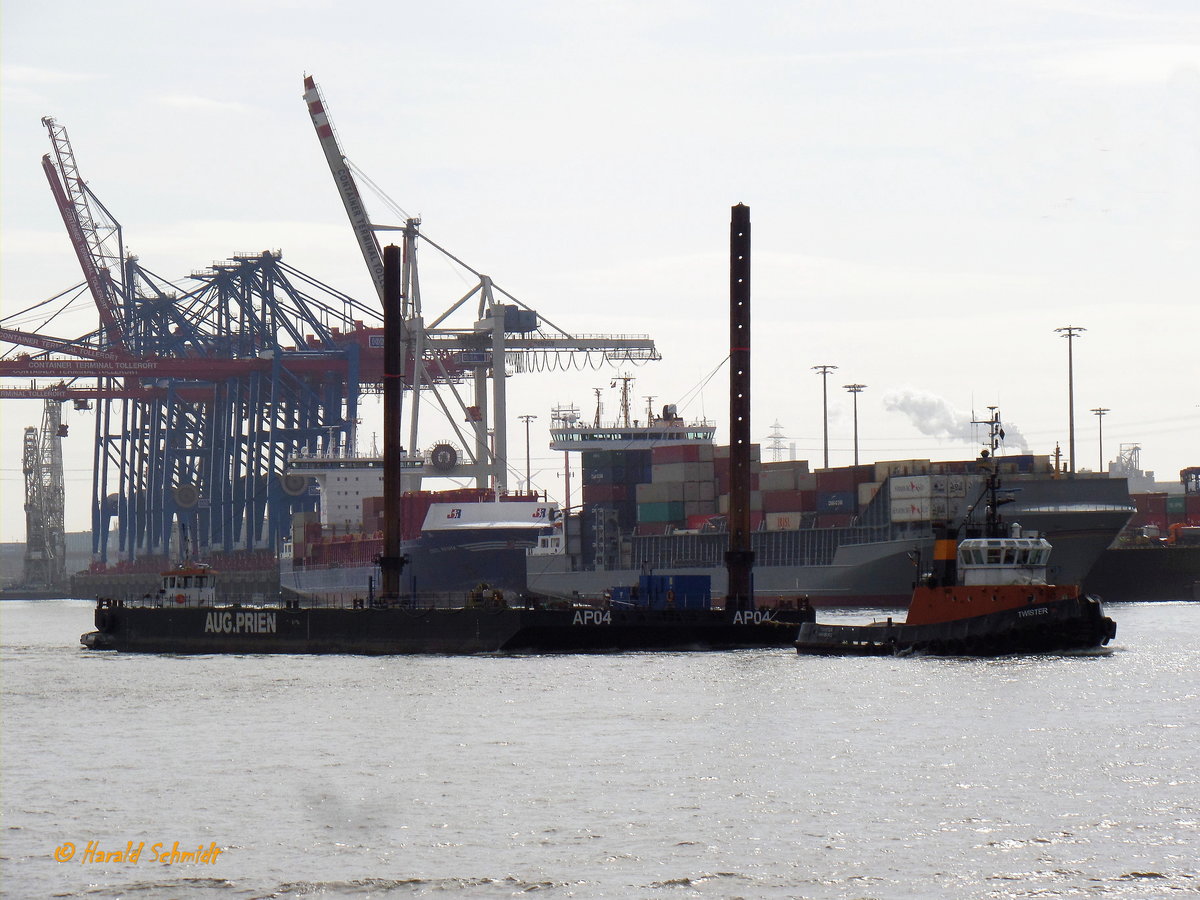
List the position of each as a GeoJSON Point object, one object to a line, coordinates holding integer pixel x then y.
{"type": "Point", "coordinates": [743, 774]}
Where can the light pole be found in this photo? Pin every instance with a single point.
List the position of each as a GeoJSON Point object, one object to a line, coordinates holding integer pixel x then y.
{"type": "Point", "coordinates": [825, 370]}
{"type": "Point", "coordinates": [855, 389]}
{"type": "Point", "coordinates": [527, 419]}
{"type": "Point", "coordinates": [1070, 332]}
{"type": "Point", "coordinates": [1100, 411]}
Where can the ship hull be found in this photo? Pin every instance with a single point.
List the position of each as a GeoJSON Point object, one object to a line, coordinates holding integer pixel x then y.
{"type": "Point", "coordinates": [1146, 573]}
{"type": "Point", "coordinates": [438, 631]}
{"type": "Point", "coordinates": [860, 574]}
{"type": "Point", "coordinates": [435, 565]}
{"type": "Point", "coordinates": [1074, 624]}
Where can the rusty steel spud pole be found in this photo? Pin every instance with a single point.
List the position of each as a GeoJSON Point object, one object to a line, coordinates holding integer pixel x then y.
{"type": "Point", "coordinates": [739, 558]}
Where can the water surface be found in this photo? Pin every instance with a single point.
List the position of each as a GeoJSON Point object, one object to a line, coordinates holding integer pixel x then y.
{"type": "Point", "coordinates": [740, 774]}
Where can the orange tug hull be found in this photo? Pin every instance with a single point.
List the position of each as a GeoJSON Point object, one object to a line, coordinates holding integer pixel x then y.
{"type": "Point", "coordinates": [985, 620]}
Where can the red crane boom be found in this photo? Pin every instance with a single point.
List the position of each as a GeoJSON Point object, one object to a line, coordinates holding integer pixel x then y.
{"type": "Point", "coordinates": [71, 196]}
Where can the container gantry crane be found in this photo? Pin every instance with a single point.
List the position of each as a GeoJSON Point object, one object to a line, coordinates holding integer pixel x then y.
{"type": "Point", "coordinates": [201, 394]}
{"type": "Point", "coordinates": [45, 559]}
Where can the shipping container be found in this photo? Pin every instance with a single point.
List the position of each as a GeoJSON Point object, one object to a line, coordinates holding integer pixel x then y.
{"type": "Point", "coordinates": [661, 512]}
{"type": "Point", "coordinates": [604, 493]}
{"type": "Point", "coordinates": [653, 527]}
{"type": "Point", "coordinates": [884, 470]}
{"type": "Point", "coordinates": [682, 471]}
{"type": "Point", "coordinates": [773, 479]}
{"type": "Point", "coordinates": [722, 452]}
{"type": "Point", "coordinates": [835, 480]}
{"type": "Point", "coordinates": [836, 501]}
{"type": "Point", "coordinates": [913, 509]}
{"type": "Point", "coordinates": [673, 453]}
{"type": "Point", "coordinates": [833, 520]}
{"type": "Point", "coordinates": [756, 500]}
{"type": "Point", "coordinates": [784, 521]}
{"type": "Point", "coordinates": [663, 492]}
{"type": "Point", "coordinates": [722, 482]}
{"type": "Point", "coordinates": [784, 501]}
{"type": "Point", "coordinates": [911, 487]}
{"type": "Point", "coordinates": [674, 591]}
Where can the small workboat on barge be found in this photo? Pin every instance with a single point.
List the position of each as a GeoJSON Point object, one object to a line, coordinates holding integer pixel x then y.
{"type": "Point", "coordinates": [986, 595]}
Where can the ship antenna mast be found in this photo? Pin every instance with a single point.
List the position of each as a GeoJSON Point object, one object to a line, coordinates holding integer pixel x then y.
{"type": "Point", "coordinates": [624, 379]}
{"type": "Point", "coordinates": [992, 521]}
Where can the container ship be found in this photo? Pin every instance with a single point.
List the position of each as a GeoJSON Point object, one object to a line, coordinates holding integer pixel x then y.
{"type": "Point", "coordinates": [1157, 555]}
{"type": "Point", "coordinates": [654, 498]}
{"type": "Point", "coordinates": [453, 542]}
{"type": "Point", "coordinates": [655, 495]}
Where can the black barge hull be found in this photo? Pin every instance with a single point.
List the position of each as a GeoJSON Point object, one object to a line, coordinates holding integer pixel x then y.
{"type": "Point", "coordinates": [1078, 624]}
{"type": "Point", "coordinates": [444, 631]}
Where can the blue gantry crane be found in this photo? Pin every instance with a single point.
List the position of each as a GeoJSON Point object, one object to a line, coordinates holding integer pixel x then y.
{"type": "Point", "coordinates": [200, 394]}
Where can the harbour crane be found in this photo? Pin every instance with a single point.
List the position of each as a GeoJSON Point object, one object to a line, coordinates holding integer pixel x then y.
{"type": "Point", "coordinates": [503, 331]}
{"type": "Point", "coordinates": [45, 559]}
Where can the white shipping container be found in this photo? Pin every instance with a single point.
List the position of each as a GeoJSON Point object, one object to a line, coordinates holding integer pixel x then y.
{"type": "Point", "coordinates": [772, 479]}
{"type": "Point", "coordinates": [915, 509]}
{"type": "Point", "coordinates": [684, 471]}
{"type": "Point", "coordinates": [911, 487]}
{"type": "Point", "coordinates": [691, 491]}
{"type": "Point", "coordinates": [783, 521]}
{"type": "Point", "coordinates": [652, 493]}
{"type": "Point", "coordinates": [660, 492]}
{"type": "Point", "coordinates": [708, 491]}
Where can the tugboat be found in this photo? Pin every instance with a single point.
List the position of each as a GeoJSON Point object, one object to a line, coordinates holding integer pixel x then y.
{"type": "Point", "coordinates": [986, 596]}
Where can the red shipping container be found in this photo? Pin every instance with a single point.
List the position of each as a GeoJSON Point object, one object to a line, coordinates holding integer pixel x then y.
{"type": "Point", "coordinates": [838, 480]}
{"type": "Point", "coordinates": [834, 520]}
{"type": "Point", "coordinates": [671, 453]}
{"type": "Point", "coordinates": [605, 493]}
{"type": "Point", "coordinates": [1151, 510]}
{"type": "Point", "coordinates": [863, 474]}
{"type": "Point", "coordinates": [653, 527]}
{"type": "Point", "coordinates": [784, 501]}
{"type": "Point", "coordinates": [1193, 508]}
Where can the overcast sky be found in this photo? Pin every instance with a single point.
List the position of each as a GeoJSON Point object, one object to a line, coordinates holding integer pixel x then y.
{"type": "Point", "coordinates": [934, 188]}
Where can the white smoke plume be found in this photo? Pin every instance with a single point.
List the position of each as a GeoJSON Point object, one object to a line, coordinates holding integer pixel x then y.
{"type": "Point", "coordinates": [932, 415]}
